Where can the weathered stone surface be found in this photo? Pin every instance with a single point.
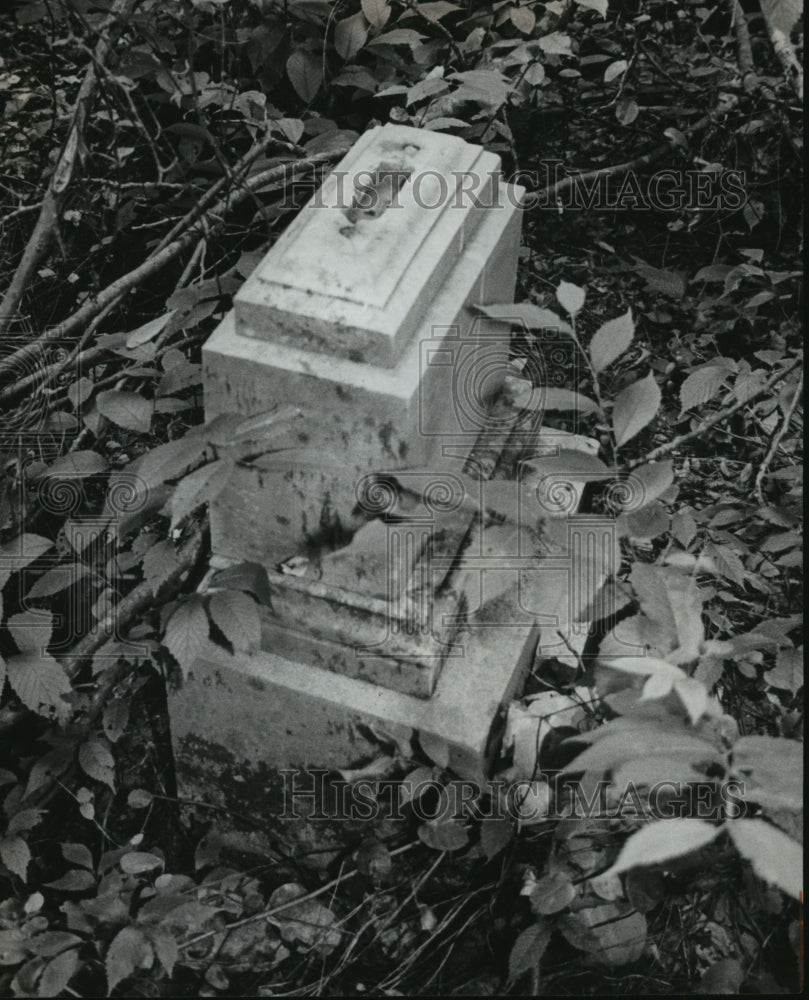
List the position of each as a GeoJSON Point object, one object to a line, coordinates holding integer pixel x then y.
{"type": "Point", "coordinates": [360, 417]}
{"type": "Point", "coordinates": [355, 273]}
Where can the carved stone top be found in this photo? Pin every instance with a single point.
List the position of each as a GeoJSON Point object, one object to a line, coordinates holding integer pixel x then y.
{"type": "Point", "coordinates": [354, 274]}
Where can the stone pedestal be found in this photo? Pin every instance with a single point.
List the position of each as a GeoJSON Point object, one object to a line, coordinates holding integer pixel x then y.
{"type": "Point", "coordinates": [363, 316]}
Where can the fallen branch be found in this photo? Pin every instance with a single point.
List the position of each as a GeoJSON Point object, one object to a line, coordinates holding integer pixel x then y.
{"type": "Point", "coordinates": [717, 418]}
{"type": "Point", "coordinates": [762, 472]}
{"type": "Point", "coordinates": [616, 170]}
{"type": "Point", "coordinates": [743, 47]}
{"type": "Point", "coordinates": [51, 208]}
{"type": "Point", "coordinates": [214, 219]}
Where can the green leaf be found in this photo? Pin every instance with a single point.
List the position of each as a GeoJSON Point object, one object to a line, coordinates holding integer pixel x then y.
{"type": "Point", "coordinates": [495, 835]}
{"type": "Point", "coordinates": [787, 674]}
{"type": "Point", "coordinates": [626, 110]}
{"type": "Point", "coordinates": [443, 835]}
{"type": "Point", "coordinates": [126, 409]}
{"type": "Point", "coordinates": [376, 11]}
{"type": "Point", "coordinates": [77, 464]}
{"type": "Point", "coordinates": [166, 949]}
{"type": "Point", "coordinates": [159, 563]}
{"type": "Point", "coordinates": [528, 315]}
{"type": "Point", "coordinates": [772, 770]}
{"type": "Point", "coordinates": [126, 952]}
{"type": "Point", "coordinates": [77, 854]}
{"type": "Point", "coordinates": [19, 552]}
{"type": "Point", "coordinates": [662, 840]}
{"type": "Point", "coordinates": [620, 746]}
{"type": "Point", "coordinates": [169, 461]}
{"type": "Point", "coordinates": [570, 297]}
{"type": "Point", "coordinates": [201, 486]}
{"type": "Point", "coordinates": [552, 893]}
{"type": "Point", "coordinates": [615, 69]}
{"type": "Point", "coordinates": [187, 633]}
{"type": "Point", "coordinates": [634, 408]}
{"type": "Point", "coordinates": [148, 331]}
{"type": "Point", "coordinates": [701, 386]}
{"type": "Point", "coordinates": [610, 934]}
{"type": "Point", "coordinates": [15, 855]}
{"type": "Point", "coordinates": [236, 615]}
{"type": "Point", "coordinates": [650, 482]}
{"type": "Point", "coordinates": [611, 340]}
{"type": "Point", "coordinates": [775, 857]}
{"type": "Point", "coordinates": [40, 682]}
{"type": "Point", "coordinates": [58, 973]}
{"type": "Point", "coordinates": [600, 6]}
{"type": "Point", "coordinates": [305, 72]}
{"type": "Point", "coordinates": [723, 978]}
{"type": "Point", "coordinates": [248, 576]}
{"type": "Point", "coordinates": [138, 862]}
{"type": "Point", "coordinates": [97, 762]}
{"type": "Point", "coordinates": [76, 880]}
{"type": "Point", "coordinates": [350, 35]}
{"type": "Point", "coordinates": [139, 798]}
{"type": "Point", "coordinates": [552, 399]}
{"type": "Point", "coordinates": [58, 579]}
{"type": "Point", "coordinates": [528, 949]}
{"type": "Point", "coordinates": [31, 630]}
{"type": "Point", "coordinates": [308, 921]}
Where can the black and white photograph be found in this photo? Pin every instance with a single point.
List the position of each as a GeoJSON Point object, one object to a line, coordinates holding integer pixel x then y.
{"type": "Point", "coordinates": [401, 498]}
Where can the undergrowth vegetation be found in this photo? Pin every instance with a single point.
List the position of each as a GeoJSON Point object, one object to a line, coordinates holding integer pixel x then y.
{"type": "Point", "coordinates": [152, 152]}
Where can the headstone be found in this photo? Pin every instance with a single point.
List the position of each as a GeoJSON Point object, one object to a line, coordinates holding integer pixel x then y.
{"type": "Point", "coordinates": [363, 315]}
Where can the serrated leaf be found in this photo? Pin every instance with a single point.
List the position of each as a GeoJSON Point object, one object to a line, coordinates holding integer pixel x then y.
{"type": "Point", "coordinates": [126, 409]}
{"type": "Point", "coordinates": [58, 579]}
{"type": "Point", "coordinates": [166, 949]}
{"type": "Point", "coordinates": [701, 386]}
{"type": "Point", "coordinates": [187, 633]}
{"type": "Point", "coordinates": [305, 72]}
{"type": "Point", "coordinates": [76, 880]}
{"type": "Point", "coordinates": [683, 527]}
{"type": "Point", "coordinates": [97, 762]}
{"type": "Point", "coordinates": [24, 820]}
{"type": "Point", "coordinates": [19, 552]}
{"type": "Point", "coordinates": [15, 855]}
{"type": "Point", "coordinates": [377, 12]}
{"type": "Point", "coordinates": [201, 486]}
{"type": "Point", "coordinates": [127, 950]}
{"type": "Point", "coordinates": [651, 481]}
{"type": "Point", "coordinates": [350, 35]}
{"type": "Point", "coordinates": [611, 339]}
{"type": "Point", "coordinates": [236, 615]}
{"type": "Point", "coordinates": [528, 315]}
{"type": "Point", "coordinates": [115, 718]}
{"type": "Point", "coordinates": [662, 840]}
{"type": "Point", "coordinates": [76, 464]}
{"type": "Point", "coordinates": [159, 562]}
{"type": "Point", "coordinates": [31, 630]}
{"type": "Point", "coordinates": [77, 854]}
{"type": "Point", "coordinates": [570, 297]}
{"type": "Point", "coordinates": [58, 973]}
{"type": "Point", "coordinates": [727, 562]}
{"type": "Point", "coordinates": [775, 857]}
{"type": "Point", "coordinates": [528, 949]}
{"type": "Point", "coordinates": [40, 682]}
{"type": "Point", "coordinates": [138, 862]}
{"type": "Point", "coordinates": [634, 408]}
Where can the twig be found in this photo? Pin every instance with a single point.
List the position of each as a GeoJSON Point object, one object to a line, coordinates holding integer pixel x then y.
{"type": "Point", "coordinates": [17, 212]}
{"type": "Point", "coordinates": [762, 472]}
{"type": "Point", "coordinates": [48, 220]}
{"type": "Point", "coordinates": [616, 170]}
{"type": "Point", "coordinates": [745, 52]}
{"type": "Point", "coordinates": [273, 910]}
{"type": "Point", "coordinates": [717, 418]}
{"type": "Point", "coordinates": [785, 51]}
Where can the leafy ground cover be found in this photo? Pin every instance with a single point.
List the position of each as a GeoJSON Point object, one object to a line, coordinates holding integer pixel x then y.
{"type": "Point", "coordinates": [152, 151]}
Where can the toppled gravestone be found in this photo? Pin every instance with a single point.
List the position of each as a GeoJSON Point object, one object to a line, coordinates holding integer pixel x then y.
{"type": "Point", "coordinates": [410, 616]}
